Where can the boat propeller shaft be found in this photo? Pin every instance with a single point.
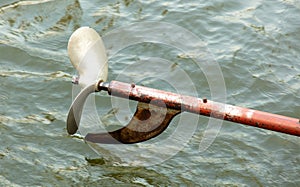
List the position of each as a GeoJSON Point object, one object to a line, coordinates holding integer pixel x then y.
{"type": "Point", "coordinates": [152, 101]}
{"type": "Point", "coordinates": [156, 108]}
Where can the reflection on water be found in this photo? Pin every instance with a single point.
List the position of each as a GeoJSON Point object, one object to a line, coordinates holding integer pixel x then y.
{"type": "Point", "coordinates": [256, 44]}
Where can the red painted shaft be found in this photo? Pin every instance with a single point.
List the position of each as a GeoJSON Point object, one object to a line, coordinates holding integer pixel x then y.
{"type": "Point", "coordinates": [206, 107]}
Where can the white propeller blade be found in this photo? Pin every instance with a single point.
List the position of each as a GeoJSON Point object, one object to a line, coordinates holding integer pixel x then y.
{"type": "Point", "coordinates": [87, 54]}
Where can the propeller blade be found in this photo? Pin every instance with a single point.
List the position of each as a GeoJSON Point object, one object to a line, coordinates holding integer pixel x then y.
{"type": "Point", "coordinates": [88, 55]}
{"type": "Point", "coordinates": [75, 110]}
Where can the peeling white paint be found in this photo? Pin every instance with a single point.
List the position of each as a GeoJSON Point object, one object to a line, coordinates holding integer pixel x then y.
{"type": "Point", "coordinates": [232, 110]}
{"type": "Point", "coordinates": [249, 114]}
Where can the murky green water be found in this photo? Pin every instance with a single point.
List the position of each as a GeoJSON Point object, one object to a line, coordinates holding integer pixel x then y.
{"type": "Point", "coordinates": [256, 44]}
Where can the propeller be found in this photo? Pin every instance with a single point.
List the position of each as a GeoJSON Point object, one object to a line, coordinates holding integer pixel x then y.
{"type": "Point", "coordinates": [156, 108]}
{"type": "Point", "coordinates": [87, 54]}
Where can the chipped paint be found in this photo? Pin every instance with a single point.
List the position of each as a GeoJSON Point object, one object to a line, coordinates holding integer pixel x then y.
{"type": "Point", "coordinates": [232, 111]}
{"type": "Point", "coordinates": [249, 114]}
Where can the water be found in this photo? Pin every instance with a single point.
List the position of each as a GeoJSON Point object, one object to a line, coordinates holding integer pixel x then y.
{"type": "Point", "coordinates": [256, 44]}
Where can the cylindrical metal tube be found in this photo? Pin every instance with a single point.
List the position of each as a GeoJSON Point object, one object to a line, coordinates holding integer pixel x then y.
{"type": "Point", "coordinates": [206, 107]}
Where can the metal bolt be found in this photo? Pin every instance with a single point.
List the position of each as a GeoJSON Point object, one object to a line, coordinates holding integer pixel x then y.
{"type": "Point", "coordinates": [75, 79]}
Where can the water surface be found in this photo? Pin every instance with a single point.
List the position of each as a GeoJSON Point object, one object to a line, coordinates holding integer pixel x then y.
{"type": "Point", "coordinates": [256, 44]}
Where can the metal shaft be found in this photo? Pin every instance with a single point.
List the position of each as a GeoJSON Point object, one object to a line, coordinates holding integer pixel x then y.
{"type": "Point", "coordinates": [204, 107]}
